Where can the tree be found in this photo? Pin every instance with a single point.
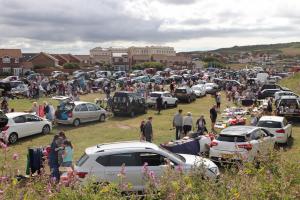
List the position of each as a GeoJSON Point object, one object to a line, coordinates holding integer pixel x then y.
{"type": "Point", "coordinates": [141, 66]}
{"type": "Point", "coordinates": [213, 62]}
{"type": "Point", "coordinates": [71, 66]}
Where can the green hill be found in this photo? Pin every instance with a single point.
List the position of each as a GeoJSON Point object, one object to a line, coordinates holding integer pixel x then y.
{"type": "Point", "coordinates": [287, 49]}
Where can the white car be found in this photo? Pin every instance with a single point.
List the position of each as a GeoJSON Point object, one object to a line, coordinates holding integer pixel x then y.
{"type": "Point", "coordinates": [167, 99]}
{"type": "Point", "coordinates": [241, 143]}
{"type": "Point", "coordinates": [104, 162]}
{"type": "Point", "coordinates": [278, 126]}
{"type": "Point", "coordinates": [199, 90]}
{"type": "Point", "coordinates": [279, 94]}
{"type": "Point", "coordinates": [56, 72]}
{"type": "Point", "coordinates": [22, 124]}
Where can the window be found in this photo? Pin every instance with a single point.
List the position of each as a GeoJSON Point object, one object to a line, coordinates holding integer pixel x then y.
{"type": "Point", "coordinates": [32, 118]}
{"type": "Point", "coordinates": [82, 160]}
{"type": "Point", "coordinates": [128, 159]}
{"type": "Point", "coordinates": [81, 108]}
{"type": "Point", "coordinates": [6, 59]}
{"type": "Point", "coordinates": [92, 107]}
{"type": "Point", "coordinates": [16, 60]}
{"type": "Point", "coordinates": [231, 138]}
{"type": "Point", "coordinates": [19, 119]}
{"type": "Point", "coordinates": [256, 135]}
{"type": "Point", "coordinates": [152, 159]}
{"type": "Point", "coordinates": [269, 124]}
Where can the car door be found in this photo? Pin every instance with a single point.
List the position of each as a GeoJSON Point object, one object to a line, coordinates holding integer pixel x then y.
{"type": "Point", "coordinates": [20, 126]}
{"type": "Point", "coordinates": [81, 112]}
{"type": "Point", "coordinates": [126, 164]}
{"type": "Point", "coordinates": [256, 143]}
{"type": "Point", "coordinates": [268, 140]}
{"type": "Point", "coordinates": [154, 165]}
{"type": "Point", "coordinates": [34, 124]}
{"type": "Point", "coordinates": [94, 113]}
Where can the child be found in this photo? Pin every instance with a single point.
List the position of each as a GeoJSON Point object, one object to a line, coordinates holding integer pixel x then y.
{"type": "Point", "coordinates": [67, 154]}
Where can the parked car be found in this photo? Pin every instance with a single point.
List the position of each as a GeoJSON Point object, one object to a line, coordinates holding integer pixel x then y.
{"type": "Point", "coordinates": [22, 124]}
{"type": "Point", "coordinates": [278, 126]}
{"type": "Point", "coordinates": [241, 143]}
{"type": "Point", "coordinates": [185, 94]}
{"type": "Point", "coordinates": [199, 90]}
{"type": "Point", "coordinates": [141, 79]}
{"type": "Point", "coordinates": [10, 78]}
{"type": "Point", "coordinates": [77, 71]}
{"type": "Point", "coordinates": [128, 103]}
{"type": "Point", "coordinates": [167, 99]}
{"type": "Point", "coordinates": [267, 93]}
{"type": "Point", "coordinates": [279, 94]}
{"type": "Point", "coordinates": [78, 112]}
{"type": "Point", "coordinates": [157, 79]}
{"type": "Point", "coordinates": [56, 72]}
{"type": "Point", "coordinates": [288, 106]}
{"type": "Point", "coordinates": [104, 162]}
{"type": "Point", "coordinates": [211, 88]}
{"type": "Point", "coordinates": [273, 86]}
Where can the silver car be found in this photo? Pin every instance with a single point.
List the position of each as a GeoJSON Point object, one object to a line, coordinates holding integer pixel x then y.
{"type": "Point", "coordinates": [78, 112]}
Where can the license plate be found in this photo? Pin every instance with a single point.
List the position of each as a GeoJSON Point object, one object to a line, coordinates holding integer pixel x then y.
{"type": "Point", "coordinates": [227, 156]}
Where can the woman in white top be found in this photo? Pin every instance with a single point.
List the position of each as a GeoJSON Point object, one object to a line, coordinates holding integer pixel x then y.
{"type": "Point", "coordinates": [187, 123]}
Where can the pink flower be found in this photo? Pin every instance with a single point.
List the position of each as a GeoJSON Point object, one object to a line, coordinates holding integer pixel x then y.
{"type": "Point", "coordinates": [179, 168]}
{"type": "Point", "coordinates": [15, 156]}
{"type": "Point", "coordinates": [4, 146]}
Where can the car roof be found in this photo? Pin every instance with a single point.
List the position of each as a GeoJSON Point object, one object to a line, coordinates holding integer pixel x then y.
{"type": "Point", "coordinates": [238, 130]}
{"type": "Point", "coordinates": [120, 146]}
{"type": "Point", "coordinates": [81, 102]}
{"type": "Point", "coordinates": [288, 97]}
{"type": "Point", "coordinates": [159, 92]}
{"type": "Point", "coordinates": [15, 114]}
{"type": "Point", "coordinates": [272, 118]}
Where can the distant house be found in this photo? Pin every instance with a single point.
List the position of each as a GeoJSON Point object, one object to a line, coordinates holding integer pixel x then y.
{"type": "Point", "coordinates": [66, 58]}
{"type": "Point", "coordinates": [85, 60]}
{"type": "Point", "coordinates": [120, 61]}
{"type": "Point", "coordinates": [12, 62]}
{"type": "Point", "coordinates": [44, 60]}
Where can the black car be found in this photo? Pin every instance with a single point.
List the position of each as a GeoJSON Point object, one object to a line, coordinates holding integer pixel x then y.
{"type": "Point", "coordinates": [185, 94]}
{"type": "Point", "coordinates": [273, 86]}
{"type": "Point", "coordinates": [128, 103]}
{"type": "Point", "coordinates": [267, 93]}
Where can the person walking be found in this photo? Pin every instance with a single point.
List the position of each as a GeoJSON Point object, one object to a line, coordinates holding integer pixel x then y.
{"type": "Point", "coordinates": [47, 111]}
{"type": "Point", "coordinates": [67, 154]}
{"type": "Point", "coordinates": [148, 130]}
{"type": "Point", "coordinates": [178, 123]}
{"type": "Point", "coordinates": [201, 125]}
{"type": "Point", "coordinates": [142, 131]}
{"type": "Point", "coordinates": [218, 101]}
{"type": "Point", "coordinates": [159, 105]}
{"type": "Point", "coordinates": [187, 123]}
{"type": "Point", "coordinates": [213, 117]}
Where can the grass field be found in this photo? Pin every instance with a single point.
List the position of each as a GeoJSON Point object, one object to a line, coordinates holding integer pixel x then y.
{"type": "Point", "coordinates": [122, 128]}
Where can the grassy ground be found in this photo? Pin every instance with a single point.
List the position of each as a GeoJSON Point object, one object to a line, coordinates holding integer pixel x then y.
{"type": "Point", "coordinates": [122, 128]}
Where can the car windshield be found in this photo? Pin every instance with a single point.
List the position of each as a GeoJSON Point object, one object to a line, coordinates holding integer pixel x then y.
{"type": "Point", "coordinates": [174, 154]}
{"type": "Point", "coordinates": [231, 138]}
{"type": "Point", "coordinates": [155, 95]}
{"type": "Point", "coordinates": [269, 124]}
{"type": "Point", "coordinates": [82, 160]}
{"type": "Point", "coordinates": [180, 91]}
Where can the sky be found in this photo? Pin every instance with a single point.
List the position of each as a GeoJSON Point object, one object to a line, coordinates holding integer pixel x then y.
{"type": "Point", "coordinates": [75, 26]}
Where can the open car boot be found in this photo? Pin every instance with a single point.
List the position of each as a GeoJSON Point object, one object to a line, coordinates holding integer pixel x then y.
{"type": "Point", "coordinates": [3, 120]}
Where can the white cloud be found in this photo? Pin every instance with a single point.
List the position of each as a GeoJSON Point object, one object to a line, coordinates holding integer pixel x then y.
{"type": "Point", "coordinates": [76, 25]}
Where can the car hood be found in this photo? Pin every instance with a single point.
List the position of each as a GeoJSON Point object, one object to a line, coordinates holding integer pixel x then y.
{"type": "Point", "coordinates": [196, 161]}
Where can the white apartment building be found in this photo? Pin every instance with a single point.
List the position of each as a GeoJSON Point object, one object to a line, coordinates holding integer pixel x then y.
{"type": "Point", "coordinates": [152, 50]}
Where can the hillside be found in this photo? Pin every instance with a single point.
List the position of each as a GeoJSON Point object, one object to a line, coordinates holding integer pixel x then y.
{"type": "Point", "coordinates": [287, 49]}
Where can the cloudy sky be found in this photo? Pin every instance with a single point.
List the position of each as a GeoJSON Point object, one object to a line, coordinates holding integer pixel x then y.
{"type": "Point", "coordinates": [75, 26]}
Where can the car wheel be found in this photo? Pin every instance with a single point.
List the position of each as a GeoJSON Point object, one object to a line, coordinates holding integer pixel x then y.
{"type": "Point", "coordinates": [145, 110]}
{"type": "Point", "coordinates": [46, 129]}
{"type": "Point", "coordinates": [165, 105]}
{"type": "Point", "coordinates": [13, 138]}
{"type": "Point", "coordinates": [176, 104]}
{"type": "Point", "coordinates": [189, 100]}
{"type": "Point", "coordinates": [132, 114]}
{"type": "Point", "coordinates": [76, 122]}
{"type": "Point", "coordinates": [102, 118]}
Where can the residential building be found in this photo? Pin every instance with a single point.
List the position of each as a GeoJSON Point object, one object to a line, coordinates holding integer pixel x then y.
{"type": "Point", "coordinates": [44, 60]}
{"type": "Point", "coordinates": [12, 62]}
{"type": "Point", "coordinates": [120, 61]}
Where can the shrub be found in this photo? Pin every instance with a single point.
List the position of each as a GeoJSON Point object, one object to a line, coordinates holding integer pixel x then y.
{"type": "Point", "coordinates": [71, 66]}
